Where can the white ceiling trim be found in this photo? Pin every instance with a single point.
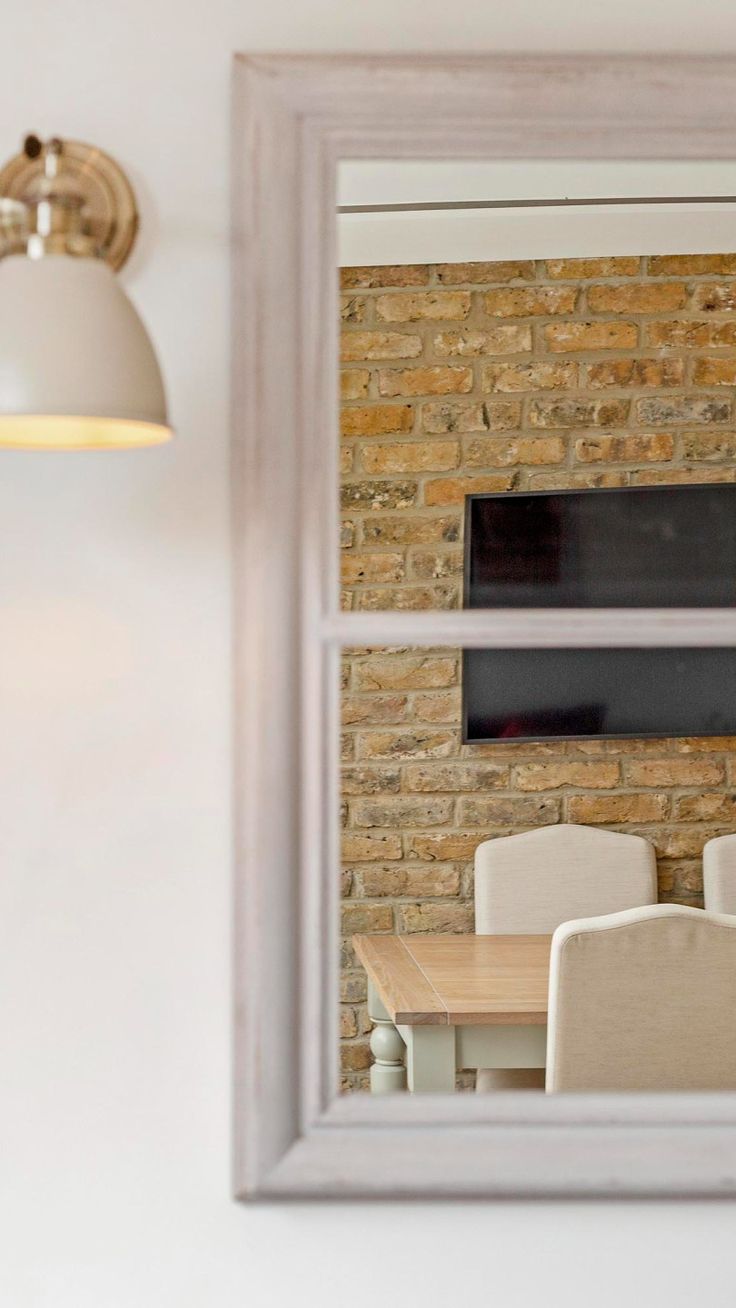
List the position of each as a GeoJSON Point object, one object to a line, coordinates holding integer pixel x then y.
{"type": "Point", "coordinates": [459, 236]}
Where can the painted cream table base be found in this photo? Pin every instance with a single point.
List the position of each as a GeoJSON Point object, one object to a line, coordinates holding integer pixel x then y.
{"type": "Point", "coordinates": [440, 1005]}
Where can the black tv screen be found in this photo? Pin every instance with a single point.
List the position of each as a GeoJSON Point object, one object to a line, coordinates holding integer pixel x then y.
{"type": "Point", "coordinates": [654, 547]}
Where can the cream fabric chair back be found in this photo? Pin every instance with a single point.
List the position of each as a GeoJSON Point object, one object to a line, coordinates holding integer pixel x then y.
{"type": "Point", "coordinates": [643, 1000]}
{"type": "Point", "coordinates": [528, 884]}
{"type": "Point", "coordinates": [719, 874]}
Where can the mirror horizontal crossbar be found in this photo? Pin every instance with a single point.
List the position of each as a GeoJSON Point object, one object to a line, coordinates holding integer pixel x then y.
{"type": "Point", "coordinates": [537, 628]}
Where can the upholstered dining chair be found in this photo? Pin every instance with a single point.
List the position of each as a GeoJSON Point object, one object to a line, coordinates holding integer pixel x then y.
{"type": "Point", "coordinates": [643, 1000]}
{"type": "Point", "coordinates": [719, 874]}
{"type": "Point", "coordinates": [528, 884]}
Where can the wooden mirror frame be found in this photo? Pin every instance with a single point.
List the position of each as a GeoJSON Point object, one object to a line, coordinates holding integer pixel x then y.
{"type": "Point", "coordinates": [294, 119]}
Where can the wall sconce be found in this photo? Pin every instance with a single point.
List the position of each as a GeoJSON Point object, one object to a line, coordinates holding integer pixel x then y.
{"type": "Point", "coordinates": [77, 367]}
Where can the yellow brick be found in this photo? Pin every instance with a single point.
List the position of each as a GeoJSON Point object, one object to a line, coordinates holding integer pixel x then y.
{"type": "Point", "coordinates": [419, 305]}
{"type": "Point", "coordinates": [550, 776]}
{"type": "Point", "coordinates": [636, 372]}
{"type": "Point", "coordinates": [346, 459]}
{"type": "Point", "coordinates": [544, 376]}
{"type": "Point", "coordinates": [675, 772]}
{"type": "Point", "coordinates": [680, 879]}
{"type": "Point", "coordinates": [370, 849]}
{"type": "Point", "coordinates": [530, 302]}
{"type": "Point", "coordinates": [502, 811]}
{"type": "Point", "coordinates": [642, 297]}
{"type": "Point", "coordinates": [434, 565]}
{"type": "Point", "coordinates": [407, 744]}
{"type": "Point", "coordinates": [452, 490]}
{"type": "Point", "coordinates": [437, 706]}
{"type": "Point", "coordinates": [358, 496]}
{"type": "Point", "coordinates": [705, 745]}
{"type": "Point", "coordinates": [681, 841]}
{"type": "Point", "coordinates": [470, 343]}
{"type": "Point", "coordinates": [695, 409]}
{"type": "Point", "coordinates": [356, 568]}
{"type": "Point", "coordinates": [708, 807]}
{"type": "Point", "coordinates": [348, 1023]}
{"type": "Point", "coordinates": [719, 298]}
{"type": "Point", "coordinates": [355, 1058]}
{"type": "Point", "coordinates": [463, 416]}
{"type": "Point", "coordinates": [442, 379]}
{"type": "Point", "coordinates": [377, 420]}
{"type": "Point", "coordinates": [584, 269]}
{"type": "Point", "coordinates": [356, 346]}
{"type": "Point", "coordinates": [394, 672]}
{"type": "Point", "coordinates": [620, 808]}
{"type": "Point", "coordinates": [454, 777]}
{"type": "Point", "coordinates": [444, 595]}
{"type": "Point", "coordinates": [715, 372]}
{"type": "Point", "coordinates": [392, 811]}
{"type": "Point", "coordinates": [371, 780]}
{"type": "Point", "coordinates": [565, 480]}
{"type": "Point", "coordinates": [657, 447]}
{"type": "Point", "coordinates": [570, 337]}
{"type": "Point", "coordinates": [352, 308]}
{"type": "Point", "coordinates": [354, 383]}
{"type": "Point", "coordinates": [416, 274]}
{"type": "Point", "coordinates": [714, 446]}
{"type": "Point", "coordinates": [505, 452]}
{"type": "Point", "coordinates": [366, 917]}
{"type": "Point", "coordinates": [353, 987]}
{"type": "Point", "coordinates": [412, 456]}
{"type": "Point", "coordinates": [444, 846]}
{"type": "Point", "coordinates": [723, 333]}
{"type": "Point", "coordinates": [578, 413]}
{"type": "Point", "coordinates": [681, 476]}
{"type": "Point", "coordinates": [440, 918]}
{"type": "Point", "coordinates": [408, 881]}
{"type": "Point", "coordinates": [412, 530]}
{"type": "Point", "coordinates": [457, 274]}
{"type": "Point", "coordinates": [682, 333]}
{"type": "Point", "coordinates": [691, 333]}
{"type": "Point", "coordinates": [690, 265]}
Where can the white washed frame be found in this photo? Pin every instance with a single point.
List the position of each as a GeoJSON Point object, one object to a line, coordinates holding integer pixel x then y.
{"type": "Point", "coordinates": [294, 118]}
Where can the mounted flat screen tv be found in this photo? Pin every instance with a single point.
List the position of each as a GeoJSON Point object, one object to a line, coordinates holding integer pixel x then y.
{"type": "Point", "coordinates": [651, 547]}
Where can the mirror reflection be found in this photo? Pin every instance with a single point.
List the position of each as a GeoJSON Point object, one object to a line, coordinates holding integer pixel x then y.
{"type": "Point", "coordinates": [580, 403]}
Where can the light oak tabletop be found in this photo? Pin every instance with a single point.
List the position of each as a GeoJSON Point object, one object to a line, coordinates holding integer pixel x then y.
{"type": "Point", "coordinates": [459, 980]}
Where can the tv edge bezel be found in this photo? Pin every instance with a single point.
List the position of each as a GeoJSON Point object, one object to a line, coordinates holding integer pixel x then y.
{"type": "Point", "coordinates": [470, 500]}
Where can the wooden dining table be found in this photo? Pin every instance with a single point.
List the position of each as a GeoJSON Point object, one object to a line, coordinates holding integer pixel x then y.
{"type": "Point", "coordinates": [440, 1004]}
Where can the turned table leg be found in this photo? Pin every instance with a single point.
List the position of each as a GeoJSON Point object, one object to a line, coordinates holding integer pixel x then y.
{"type": "Point", "coordinates": [388, 1072]}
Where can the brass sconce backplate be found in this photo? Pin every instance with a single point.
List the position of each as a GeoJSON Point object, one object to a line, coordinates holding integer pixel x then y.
{"type": "Point", "coordinates": [95, 182]}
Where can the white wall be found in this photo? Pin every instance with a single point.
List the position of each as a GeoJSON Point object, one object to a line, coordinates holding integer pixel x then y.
{"type": "Point", "coordinates": [114, 858]}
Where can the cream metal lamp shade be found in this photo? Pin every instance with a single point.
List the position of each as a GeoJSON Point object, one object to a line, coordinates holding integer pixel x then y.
{"type": "Point", "coordinates": [77, 367]}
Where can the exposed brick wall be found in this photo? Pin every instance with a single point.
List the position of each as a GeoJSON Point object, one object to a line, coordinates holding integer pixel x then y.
{"type": "Point", "coordinates": [508, 376]}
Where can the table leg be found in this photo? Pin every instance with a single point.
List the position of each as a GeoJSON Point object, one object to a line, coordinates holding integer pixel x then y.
{"type": "Point", "coordinates": [430, 1058]}
{"type": "Point", "coordinates": [388, 1072]}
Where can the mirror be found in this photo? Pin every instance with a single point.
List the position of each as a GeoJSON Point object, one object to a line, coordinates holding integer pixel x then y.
{"type": "Point", "coordinates": [511, 333]}
{"type": "Point", "coordinates": [464, 1009]}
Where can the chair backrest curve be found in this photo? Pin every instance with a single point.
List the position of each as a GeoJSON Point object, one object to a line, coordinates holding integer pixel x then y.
{"type": "Point", "coordinates": [531, 882]}
{"type": "Point", "coordinates": [643, 1000]}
